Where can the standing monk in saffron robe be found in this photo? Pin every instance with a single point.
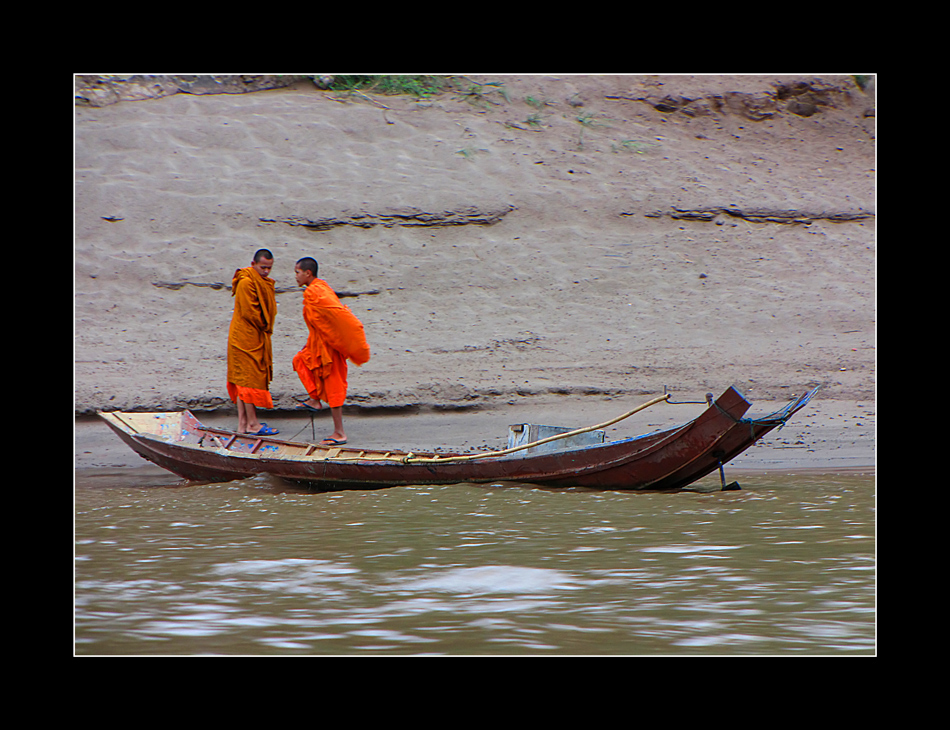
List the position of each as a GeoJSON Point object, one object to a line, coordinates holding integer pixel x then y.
{"type": "Point", "coordinates": [250, 359]}
{"type": "Point", "coordinates": [335, 335]}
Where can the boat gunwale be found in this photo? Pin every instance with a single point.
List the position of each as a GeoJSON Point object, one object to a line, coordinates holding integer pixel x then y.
{"type": "Point", "coordinates": [335, 455]}
{"type": "Point", "coordinates": [353, 454]}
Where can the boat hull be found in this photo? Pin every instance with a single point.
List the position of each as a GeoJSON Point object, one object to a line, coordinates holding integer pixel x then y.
{"type": "Point", "coordinates": [664, 460]}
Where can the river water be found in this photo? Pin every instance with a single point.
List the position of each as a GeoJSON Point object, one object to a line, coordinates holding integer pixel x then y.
{"type": "Point", "coordinates": [785, 566]}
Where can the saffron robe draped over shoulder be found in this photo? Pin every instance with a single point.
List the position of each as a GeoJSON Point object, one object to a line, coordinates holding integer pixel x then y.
{"type": "Point", "coordinates": [335, 335]}
{"type": "Point", "coordinates": [250, 358]}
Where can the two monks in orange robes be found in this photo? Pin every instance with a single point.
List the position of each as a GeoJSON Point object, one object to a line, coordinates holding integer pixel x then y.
{"type": "Point", "coordinates": [335, 335]}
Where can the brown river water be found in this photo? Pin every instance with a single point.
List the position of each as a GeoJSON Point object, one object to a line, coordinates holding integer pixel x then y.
{"type": "Point", "coordinates": [785, 566]}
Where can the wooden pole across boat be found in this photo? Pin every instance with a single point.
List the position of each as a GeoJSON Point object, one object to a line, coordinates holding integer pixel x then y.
{"type": "Point", "coordinates": [410, 459]}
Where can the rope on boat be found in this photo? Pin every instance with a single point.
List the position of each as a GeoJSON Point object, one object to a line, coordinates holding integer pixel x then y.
{"type": "Point", "coordinates": [788, 411]}
{"type": "Point", "coordinates": [411, 459]}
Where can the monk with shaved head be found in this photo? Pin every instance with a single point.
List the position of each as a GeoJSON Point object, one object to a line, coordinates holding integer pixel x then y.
{"type": "Point", "coordinates": [334, 335]}
{"type": "Point", "coordinates": [250, 359]}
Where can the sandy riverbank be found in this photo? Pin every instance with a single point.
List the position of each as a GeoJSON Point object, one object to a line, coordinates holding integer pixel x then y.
{"type": "Point", "coordinates": [556, 253]}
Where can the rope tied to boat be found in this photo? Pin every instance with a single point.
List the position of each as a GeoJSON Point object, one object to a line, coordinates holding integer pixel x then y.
{"type": "Point", "coordinates": [781, 417]}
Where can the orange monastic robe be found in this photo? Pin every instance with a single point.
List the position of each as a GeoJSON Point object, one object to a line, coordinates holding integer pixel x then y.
{"type": "Point", "coordinates": [250, 359]}
{"type": "Point", "coordinates": [335, 336]}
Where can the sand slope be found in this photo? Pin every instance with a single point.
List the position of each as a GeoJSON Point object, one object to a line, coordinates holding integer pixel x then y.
{"type": "Point", "coordinates": [572, 239]}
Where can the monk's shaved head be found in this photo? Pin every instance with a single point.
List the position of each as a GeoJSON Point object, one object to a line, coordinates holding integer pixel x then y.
{"type": "Point", "coordinates": [308, 264]}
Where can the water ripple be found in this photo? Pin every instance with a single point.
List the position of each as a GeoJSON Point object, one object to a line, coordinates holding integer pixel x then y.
{"type": "Point", "coordinates": [492, 579]}
{"type": "Point", "coordinates": [464, 570]}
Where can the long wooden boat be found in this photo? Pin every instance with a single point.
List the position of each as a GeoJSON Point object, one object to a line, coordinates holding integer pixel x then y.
{"type": "Point", "coordinates": [668, 459]}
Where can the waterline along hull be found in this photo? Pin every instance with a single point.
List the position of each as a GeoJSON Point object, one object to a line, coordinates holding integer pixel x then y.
{"type": "Point", "coordinates": [669, 459]}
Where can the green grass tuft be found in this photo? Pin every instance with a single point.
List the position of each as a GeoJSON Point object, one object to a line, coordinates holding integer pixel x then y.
{"type": "Point", "coordinates": [420, 86]}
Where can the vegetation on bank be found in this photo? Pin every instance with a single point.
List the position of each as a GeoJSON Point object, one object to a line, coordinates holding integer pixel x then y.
{"type": "Point", "coordinates": [489, 93]}
{"type": "Point", "coordinates": [385, 84]}
{"type": "Point", "coordinates": [420, 86]}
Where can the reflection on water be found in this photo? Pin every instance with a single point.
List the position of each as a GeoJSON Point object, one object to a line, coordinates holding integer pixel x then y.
{"type": "Point", "coordinates": [785, 566]}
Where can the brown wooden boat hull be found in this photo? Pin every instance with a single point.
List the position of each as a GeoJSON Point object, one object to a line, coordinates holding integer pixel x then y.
{"type": "Point", "coordinates": [663, 460]}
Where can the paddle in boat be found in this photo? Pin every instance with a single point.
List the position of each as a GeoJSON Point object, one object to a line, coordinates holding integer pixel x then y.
{"type": "Point", "coordinates": [668, 459]}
